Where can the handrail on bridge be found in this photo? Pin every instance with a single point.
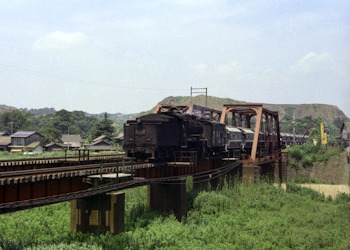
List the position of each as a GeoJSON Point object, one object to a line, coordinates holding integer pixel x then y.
{"type": "Point", "coordinates": [118, 169]}
{"type": "Point", "coordinates": [186, 156]}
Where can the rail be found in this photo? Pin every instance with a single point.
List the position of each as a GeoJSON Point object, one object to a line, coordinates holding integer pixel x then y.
{"type": "Point", "coordinates": [55, 160]}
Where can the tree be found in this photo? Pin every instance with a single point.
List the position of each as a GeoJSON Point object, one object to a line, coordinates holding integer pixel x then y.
{"type": "Point", "coordinates": [16, 119]}
{"type": "Point", "coordinates": [51, 134]}
{"type": "Point", "coordinates": [103, 127]}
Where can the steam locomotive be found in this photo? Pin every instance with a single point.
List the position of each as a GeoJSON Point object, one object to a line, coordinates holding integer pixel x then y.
{"type": "Point", "coordinates": [156, 137]}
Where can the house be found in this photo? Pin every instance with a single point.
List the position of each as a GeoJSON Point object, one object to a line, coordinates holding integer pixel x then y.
{"type": "Point", "coordinates": [345, 133]}
{"type": "Point", "coordinates": [22, 139]}
{"type": "Point", "coordinates": [53, 146]}
{"type": "Point", "coordinates": [101, 145]}
{"type": "Point", "coordinates": [5, 142]}
{"type": "Point", "coordinates": [35, 147]}
{"type": "Point", "coordinates": [120, 139]}
{"type": "Point", "coordinates": [72, 140]}
{"type": "Point", "coordinates": [4, 133]}
{"type": "Point", "coordinates": [103, 138]}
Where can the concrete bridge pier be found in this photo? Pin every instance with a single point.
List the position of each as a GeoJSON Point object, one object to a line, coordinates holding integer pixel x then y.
{"type": "Point", "coordinates": [278, 171]}
{"type": "Point", "coordinates": [251, 174]}
{"type": "Point", "coordinates": [99, 213]}
{"type": "Point", "coordinates": [168, 197]}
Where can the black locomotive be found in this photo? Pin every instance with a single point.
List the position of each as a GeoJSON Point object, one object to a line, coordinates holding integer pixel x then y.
{"type": "Point", "coordinates": [157, 137]}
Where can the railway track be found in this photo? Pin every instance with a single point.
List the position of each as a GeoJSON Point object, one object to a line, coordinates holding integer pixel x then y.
{"type": "Point", "coordinates": [52, 173]}
{"type": "Point", "coordinates": [26, 164]}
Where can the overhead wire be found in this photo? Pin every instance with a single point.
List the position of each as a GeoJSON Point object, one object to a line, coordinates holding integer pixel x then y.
{"type": "Point", "coordinates": [69, 79]}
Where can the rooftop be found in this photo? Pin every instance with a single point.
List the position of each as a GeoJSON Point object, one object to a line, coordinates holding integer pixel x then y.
{"type": "Point", "coordinates": [24, 134]}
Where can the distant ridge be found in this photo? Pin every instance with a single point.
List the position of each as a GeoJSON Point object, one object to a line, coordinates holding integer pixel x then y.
{"type": "Point", "coordinates": [117, 117]}
{"type": "Point", "coordinates": [327, 112]}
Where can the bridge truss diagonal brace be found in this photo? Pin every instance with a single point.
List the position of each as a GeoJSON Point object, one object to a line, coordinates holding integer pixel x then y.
{"type": "Point", "coordinates": [250, 110]}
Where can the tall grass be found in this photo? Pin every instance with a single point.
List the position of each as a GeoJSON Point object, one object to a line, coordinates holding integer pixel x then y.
{"type": "Point", "coordinates": [258, 216]}
{"type": "Point", "coordinates": [308, 153]}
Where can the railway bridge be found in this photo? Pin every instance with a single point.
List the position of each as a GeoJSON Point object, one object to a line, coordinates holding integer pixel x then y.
{"type": "Point", "coordinates": [93, 184]}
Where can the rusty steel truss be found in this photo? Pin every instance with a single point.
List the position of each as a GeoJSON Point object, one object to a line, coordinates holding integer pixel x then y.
{"type": "Point", "coordinates": [266, 131]}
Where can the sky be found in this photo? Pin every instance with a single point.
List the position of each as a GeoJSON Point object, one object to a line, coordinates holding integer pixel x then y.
{"type": "Point", "coordinates": [126, 56]}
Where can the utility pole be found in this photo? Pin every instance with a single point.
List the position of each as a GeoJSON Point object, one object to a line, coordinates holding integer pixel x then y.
{"type": "Point", "coordinates": [293, 128]}
{"type": "Point", "coordinates": [200, 91]}
{"type": "Point", "coordinates": [68, 137]}
{"type": "Point", "coordinates": [11, 128]}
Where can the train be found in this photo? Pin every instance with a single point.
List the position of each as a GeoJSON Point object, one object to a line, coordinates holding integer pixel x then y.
{"type": "Point", "coordinates": [158, 136]}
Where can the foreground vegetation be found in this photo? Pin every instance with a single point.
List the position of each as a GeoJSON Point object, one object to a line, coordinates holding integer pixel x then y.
{"type": "Point", "coordinates": [257, 216]}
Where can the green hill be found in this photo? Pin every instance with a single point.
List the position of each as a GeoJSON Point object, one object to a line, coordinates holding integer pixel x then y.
{"type": "Point", "coordinates": [328, 113]}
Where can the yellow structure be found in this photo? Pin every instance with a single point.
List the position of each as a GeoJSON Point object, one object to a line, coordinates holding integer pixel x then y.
{"type": "Point", "coordinates": [323, 135]}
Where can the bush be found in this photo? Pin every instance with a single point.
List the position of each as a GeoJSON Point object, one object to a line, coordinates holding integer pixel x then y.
{"type": "Point", "coordinates": [257, 216]}
{"type": "Point", "coordinates": [296, 153]}
{"type": "Point", "coordinates": [308, 154]}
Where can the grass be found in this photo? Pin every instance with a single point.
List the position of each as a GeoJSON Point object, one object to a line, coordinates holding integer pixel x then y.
{"type": "Point", "coordinates": [258, 216]}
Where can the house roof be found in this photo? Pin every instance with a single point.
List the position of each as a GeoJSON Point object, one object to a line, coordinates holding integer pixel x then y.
{"type": "Point", "coordinates": [5, 140]}
{"type": "Point", "coordinates": [120, 136]}
{"type": "Point", "coordinates": [58, 144]}
{"type": "Point", "coordinates": [100, 143]}
{"type": "Point", "coordinates": [102, 148]}
{"type": "Point", "coordinates": [101, 137]}
{"type": "Point", "coordinates": [24, 134]}
{"type": "Point", "coordinates": [4, 133]}
{"type": "Point", "coordinates": [34, 144]}
{"type": "Point", "coordinates": [71, 138]}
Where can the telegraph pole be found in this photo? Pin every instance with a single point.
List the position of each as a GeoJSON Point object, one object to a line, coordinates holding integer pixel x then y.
{"type": "Point", "coordinates": [293, 128]}
{"type": "Point", "coordinates": [11, 127]}
{"type": "Point", "coordinates": [200, 91]}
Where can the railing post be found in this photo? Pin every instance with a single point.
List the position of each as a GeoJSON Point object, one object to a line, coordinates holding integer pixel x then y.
{"type": "Point", "coordinates": [132, 168]}
{"type": "Point", "coordinates": [117, 169]}
{"type": "Point", "coordinates": [101, 169]}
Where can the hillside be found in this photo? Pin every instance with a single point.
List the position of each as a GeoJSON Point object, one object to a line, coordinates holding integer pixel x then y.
{"type": "Point", "coordinates": [4, 109]}
{"type": "Point", "coordinates": [117, 117]}
{"type": "Point", "coordinates": [327, 112]}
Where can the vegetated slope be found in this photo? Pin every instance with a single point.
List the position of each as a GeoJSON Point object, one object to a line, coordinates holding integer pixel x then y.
{"type": "Point", "coordinates": [4, 109]}
{"type": "Point", "coordinates": [258, 216]}
{"type": "Point", "coordinates": [327, 112]}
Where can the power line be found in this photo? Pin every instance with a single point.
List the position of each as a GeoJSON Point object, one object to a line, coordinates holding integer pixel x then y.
{"type": "Point", "coordinates": [68, 79]}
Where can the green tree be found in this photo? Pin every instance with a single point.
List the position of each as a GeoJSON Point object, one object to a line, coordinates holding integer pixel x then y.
{"type": "Point", "coordinates": [16, 119]}
{"type": "Point", "coordinates": [51, 134]}
{"type": "Point", "coordinates": [103, 127]}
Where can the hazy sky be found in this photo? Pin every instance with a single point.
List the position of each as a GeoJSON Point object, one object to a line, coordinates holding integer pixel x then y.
{"type": "Point", "coordinates": [126, 56]}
